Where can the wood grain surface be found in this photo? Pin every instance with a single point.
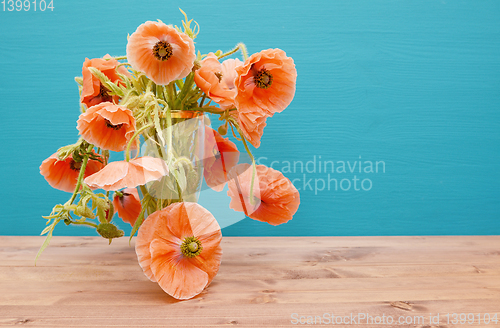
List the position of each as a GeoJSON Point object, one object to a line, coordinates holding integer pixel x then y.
{"type": "Point", "coordinates": [262, 282]}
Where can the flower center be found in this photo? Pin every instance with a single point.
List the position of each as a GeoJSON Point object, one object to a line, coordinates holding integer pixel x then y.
{"type": "Point", "coordinates": [103, 93]}
{"type": "Point", "coordinates": [219, 76]}
{"type": "Point", "coordinates": [162, 50]}
{"type": "Point", "coordinates": [216, 153]}
{"type": "Point", "coordinates": [263, 79]}
{"type": "Point", "coordinates": [75, 166]}
{"type": "Point", "coordinates": [114, 127]}
{"type": "Point", "coordinates": [191, 247]}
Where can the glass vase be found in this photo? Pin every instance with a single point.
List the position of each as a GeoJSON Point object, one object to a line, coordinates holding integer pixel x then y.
{"type": "Point", "coordinates": [181, 145]}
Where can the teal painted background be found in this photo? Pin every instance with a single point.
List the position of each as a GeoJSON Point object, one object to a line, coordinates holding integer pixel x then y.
{"type": "Point", "coordinates": [414, 84]}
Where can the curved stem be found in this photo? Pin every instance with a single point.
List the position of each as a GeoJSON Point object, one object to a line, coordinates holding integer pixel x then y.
{"type": "Point", "coordinates": [239, 46]}
{"type": "Point", "coordinates": [127, 151]}
{"type": "Point", "coordinates": [80, 175]}
{"type": "Point", "coordinates": [203, 99]}
{"type": "Point", "coordinates": [243, 50]}
{"type": "Point", "coordinates": [85, 223]}
{"type": "Point", "coordinates": [254, 168]}
{"type": "Point", "coordinates": [179, 190]}
{"type": "Point", "coordinates": [185, 160]}
{"type": "Point", "coordinates": [230, 52]}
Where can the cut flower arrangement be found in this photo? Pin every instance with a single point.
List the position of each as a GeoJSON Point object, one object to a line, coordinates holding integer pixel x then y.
{"type": "Point", "coordinates": [154, 105]}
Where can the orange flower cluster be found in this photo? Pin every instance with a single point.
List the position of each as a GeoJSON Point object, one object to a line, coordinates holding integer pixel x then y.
{"type": "Point", "coordinates": [258, 88]}
{"type": "Point", "coordinates": [162, 83]}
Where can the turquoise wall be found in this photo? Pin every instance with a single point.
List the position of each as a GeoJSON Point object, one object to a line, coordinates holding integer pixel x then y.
{"type": "Point", "coordinates": [413, 85]}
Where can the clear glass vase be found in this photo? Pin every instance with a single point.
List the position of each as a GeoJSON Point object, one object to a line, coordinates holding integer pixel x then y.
{"type": "Point", "coordinates": [181, 146]}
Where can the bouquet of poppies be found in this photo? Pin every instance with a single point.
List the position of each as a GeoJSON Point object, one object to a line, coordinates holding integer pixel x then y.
{"type": "Point", "coordinates": [154, 105]}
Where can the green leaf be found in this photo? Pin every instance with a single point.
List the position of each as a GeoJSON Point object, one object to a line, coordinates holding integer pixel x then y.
{"type": "Point", "coordinates": [180, 177]}
{"type": "Point", "coordinates": [156, 120]}
{"type": "Point", "coordinates": [46, 230]}
{"type": "Point", "coordinates": [139, 220]}
{"type": "Point", "coordinates": [47, 240]}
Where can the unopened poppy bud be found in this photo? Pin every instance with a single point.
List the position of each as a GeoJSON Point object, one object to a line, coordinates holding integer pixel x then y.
{"type": "Point", "coordinates": [84, 211]}
{"type": "Point", "coordinates": [76, 156]}
{"type": "Point", "coordinates": [109, 231]}
{"type": "Point", "coordinates": [65, 152]}
{"type": "Point", "coordinates": [222, 130]}
{"type": "Point", "coordinates": [102, 203]}
{"type": "Point", "coordinates": [110, 212]}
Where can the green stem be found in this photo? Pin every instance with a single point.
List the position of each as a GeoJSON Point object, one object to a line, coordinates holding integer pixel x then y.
{"type": "Point", "coordinates": [180, 160]}
{"type": "Point", "coordinates": [171, 93]}
{"type": "Point", "coordinates": [254, 168]}
{"type": "Point", "coordinates": [203, 100]}
{"type": "Point", "coordinates": [140, 218]}
{"type": "Point", "coordinates": [169, 134]}
{"type": "Point", "coordinates": [188, 83]}
{"type": "Point", "coordinates": [179, 190]}
{"type": "Point", "coordinates": [121, 57]}
{"type": "Point", "coordinates": [244, 51]}
{"type": "Point", "coordinates": [85, 223]}
{"type": "Point", "coordinates": [230, 52]}
{"type": "Point", "coordinates": [239, 46]}
{"type": "Point", "coordinates": [127, 151]}
{"type": "Point", "coordinates": [81, 175]}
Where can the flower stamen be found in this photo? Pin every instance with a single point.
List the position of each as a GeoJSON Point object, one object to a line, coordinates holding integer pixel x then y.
{"type": "Point", "coordinates": [112, 126]}
{"type": "Point", "coordinates": [162, 50]}
{"type": "Point", "coordinates": [191, 247]}
{"type": "Point", "coordinates": [75, 166]}
{"type": "Point", "coordinates": [219, 76]}
{"type": "Point", "coordinates": [263, 79]}
{"type": "Point", "coordinates": [103, 93]}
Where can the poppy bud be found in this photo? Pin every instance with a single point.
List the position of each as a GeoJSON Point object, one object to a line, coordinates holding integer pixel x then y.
{"type": "Point", "coordinates": [222, 130]}
{"type": "Point", "coordinates": [109, 231]}
{"type": "Point", "coordinates": [84, 211]}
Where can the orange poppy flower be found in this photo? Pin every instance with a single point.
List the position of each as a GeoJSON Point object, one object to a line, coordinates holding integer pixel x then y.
{"type": "Point", "coordinates": [210, 79]}
{"type": "Point", "coordinates": [229, 71]}
{"type": "Point", "coordinates": [276, 198]}
{"type": "Point", "coordinates": [252, 125]}
{"type": "Point", "coordinates": [93, 92]}
{"type": "Point", "coordinates": [265, 82]}
{"type": "Point", "coordinates": [107, 126]}
{"type": "Point", "coordinates": [221, 155]}
{"type": "Point", "coordinates": [63, 175]}
{"type": "Point", "coordinates": [128, 206]}
{"type": "Point", "coordinates": [179, 247]}
{"type": "Point", "coordinates": [161, 52]}
{"type": "Point", "coordinates": [119, 175]}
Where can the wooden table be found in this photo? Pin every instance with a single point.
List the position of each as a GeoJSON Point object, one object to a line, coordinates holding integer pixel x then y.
{"type": "Point", "coordinates": [262, 282]}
